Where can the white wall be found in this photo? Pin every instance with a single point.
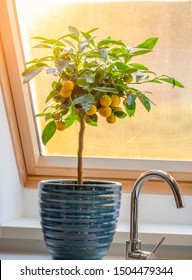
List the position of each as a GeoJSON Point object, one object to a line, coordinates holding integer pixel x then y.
{"type": "Point", "coordinates": [10, 188]}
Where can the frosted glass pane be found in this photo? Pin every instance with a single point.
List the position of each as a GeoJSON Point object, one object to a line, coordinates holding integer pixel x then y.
{"type": "Point", "coordinates": [163, 133]}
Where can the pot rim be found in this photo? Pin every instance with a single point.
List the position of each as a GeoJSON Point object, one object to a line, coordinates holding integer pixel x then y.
{"type": "Point", "coordinates": [97, 183]}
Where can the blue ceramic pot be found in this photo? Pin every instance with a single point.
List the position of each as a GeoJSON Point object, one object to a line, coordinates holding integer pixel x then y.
{"type": "Point", "coordinates": [79, 221]}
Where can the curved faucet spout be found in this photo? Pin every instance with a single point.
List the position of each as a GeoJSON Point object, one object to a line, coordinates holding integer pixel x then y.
{"type": "Point", "coordinates": [134, 244]}
{"type": "Point", "coordinates": [151, 174]}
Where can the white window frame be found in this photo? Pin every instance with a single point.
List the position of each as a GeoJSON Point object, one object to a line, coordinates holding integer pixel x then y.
{"type": "Point", "coordinates": [34, 163]}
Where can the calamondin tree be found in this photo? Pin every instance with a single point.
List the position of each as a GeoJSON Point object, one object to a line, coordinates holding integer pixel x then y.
{"type": "Point", "coordinates": [92, 77]}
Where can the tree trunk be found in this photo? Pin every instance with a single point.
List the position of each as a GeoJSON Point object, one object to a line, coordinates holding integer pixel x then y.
{"type": "Point", "coordinates": [80, 149]}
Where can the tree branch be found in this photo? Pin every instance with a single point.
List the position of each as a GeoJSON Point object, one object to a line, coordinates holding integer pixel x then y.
{"type": "Point", "coordinates": [80, 149]}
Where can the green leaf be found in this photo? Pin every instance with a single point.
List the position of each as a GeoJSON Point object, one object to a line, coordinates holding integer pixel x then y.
{"type": "Point", "coordinates": [104, 53]}
{"type": "Point", "coordinates": [32, 61]}
{"type": "Point", "coordinates": [106, 89]}
{"type": "Point", "coordinates": [74, 31]}
{"type": "Point", "coordinates": [54, 85]}
{"type": "Point", "coordinates": [32, 71]}
{"type": "Point", "coordinates": [83, 45]}
{"type": "Point", "coordinates": [56, 53]}
{"type": "Point", "coordinates": [92, 30]}
{"type": "Point", "coordinates": [136, 53]}
{"type": "Point", "coordinates": [48, 116]}
{"type": "Point", "coordinates": [119, 52]}
{"type": "Point", "coordinates": [52, 71]}
{"type": "Point", "coordinates": [69, 121]}
{"type": "Point", "coordinates": [87, 34]}
{"type": "Point", "coordinates": [49, 43]}
{"type": "Point", "coordinates": [46, 58]}
{"type": "Point", "coordinates": [91, 120]}
{"type": "Point", "coordinates": [145, 101]}
{"type": "Point", "coordinates": [122, 67]}
{"type": "Point", "coordinates": [43, 59]}
{"type": "Point", "coordinates": [140, 77]}
{"type": "Point", "coordinates": [40, 115]}
{"type": "Point", "coordinates": [131, 70]}
{"type": "Point", "coordinates": [77, 100]}
{"type": "Point", "coordinates": [33, 67]}
{"type": "Point", "coordinates": [69, 43]}
{"type": "Point", "coordinates": [48, 132]}
{"type": "Point", "coordinates": [131, 99]}
{"type": "Point", "coordinates": [45, 46]}
{"type": "Point", "coordinates": [91, 78]}
{"type": "Point", "coordinates": [94, 55]}
{"type": "Point", "coordinates": [87, 101]}
{"type": "Point", "coordinates": [138, 66]}
{"type": "Point", "coordinates": [51, 95]}
{"type": "Point", "coordinates": [56, 42]}
{"type": "Point", "coordinates": [74, 37]}
{"type": "Point", "coordinates": [44, 39]}
{"type": "Point", "coordinates": [172, 81]}
{"type": "Point", "coordinates": [105, 42]}
{"type": "Point", "coordinates": [61, 64]}
{"type": "Point", "coordinates": [156, 81]}
{"type": "Point", "coordinates": [81, 81]}
{"type": "Point", "coordinates": [120, 114]}
{"type": "Point", "coordinates": [41, 38]}
{"type": "Point", "coordinates": [148, 44]}
{"type": "Point", "coordinates": [130, 109]}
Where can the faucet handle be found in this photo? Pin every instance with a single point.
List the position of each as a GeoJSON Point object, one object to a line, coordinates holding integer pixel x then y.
{"type": "Point", "coordinates": [158, 244]}
{"type": "Point", "coordinates": [152, 256]}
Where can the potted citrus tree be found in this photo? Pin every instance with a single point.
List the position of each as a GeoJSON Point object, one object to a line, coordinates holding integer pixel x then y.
{"type": "Point", "coordinates": [92, 78]}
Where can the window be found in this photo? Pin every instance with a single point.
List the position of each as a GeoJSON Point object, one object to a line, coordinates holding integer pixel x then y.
{"type": "Point", "coordinates": [159, 139]}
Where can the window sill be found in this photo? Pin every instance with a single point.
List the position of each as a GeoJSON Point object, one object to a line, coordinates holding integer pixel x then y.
{"type": "Point", "coordinates": [32, 256]}
{"type": "Point", "coordinates": [179, 235]}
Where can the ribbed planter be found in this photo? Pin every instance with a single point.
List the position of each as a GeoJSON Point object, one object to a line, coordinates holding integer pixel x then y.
{"type": "Point", "coordinates": [79, 221]}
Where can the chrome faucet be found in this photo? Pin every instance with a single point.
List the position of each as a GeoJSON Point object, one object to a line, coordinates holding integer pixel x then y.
{"type": "Point", "coordinates": [133, 246]}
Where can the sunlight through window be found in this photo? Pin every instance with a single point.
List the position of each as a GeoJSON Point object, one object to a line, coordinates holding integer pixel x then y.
{"type": "Point", "coordinates": [165, 132]}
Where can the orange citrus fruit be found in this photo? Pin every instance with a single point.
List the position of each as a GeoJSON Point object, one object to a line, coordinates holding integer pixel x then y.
{"type": "Point", "coordinates": [92, 110]}
{"type": "Point", "coordinates": [105, 100]}
{"type": "Point", "coordinates": [115, 100]}
{"type": "Point", "coordinates": [65, 93]}
{"type": "Point", "coordinates": [105, 111]}
{"type": "Point", "coordinates": [68, 85]}
{"type": "Point", "coordinates": [60, 125]}
{"type": "Point", "coordinates": [111, 119]}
